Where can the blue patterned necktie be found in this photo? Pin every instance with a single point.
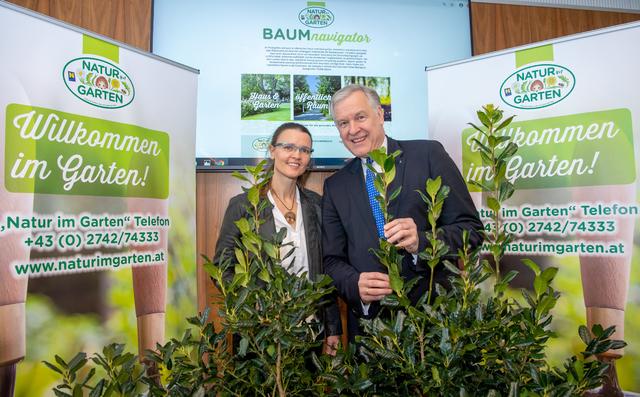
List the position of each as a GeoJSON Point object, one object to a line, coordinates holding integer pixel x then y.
{"type": "Point", "coordinates": [375, 206]}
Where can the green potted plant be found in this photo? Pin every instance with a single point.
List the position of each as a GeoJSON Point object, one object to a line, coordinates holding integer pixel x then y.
{"type": "Point", "coordinates": [469, 339]}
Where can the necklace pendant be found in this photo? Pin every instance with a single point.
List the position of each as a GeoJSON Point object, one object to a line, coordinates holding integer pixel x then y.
{"type": "Point", "coordinates": [290, 217]}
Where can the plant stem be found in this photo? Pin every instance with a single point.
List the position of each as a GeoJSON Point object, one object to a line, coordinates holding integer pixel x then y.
{"type": "Point", "coordinates": [496, 192]}
{"type": "Point", "coordinates": [430, 286]}
{"type": "Point", "coordinates": [281, 391]}
{"type": "Point", "coordinates": [421, 342]}
{"type": "Point", "coordinates": [434, 241]}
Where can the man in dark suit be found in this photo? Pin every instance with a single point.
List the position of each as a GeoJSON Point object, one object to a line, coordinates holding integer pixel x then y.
{"type": "Point", "coordinates": [349, 229]}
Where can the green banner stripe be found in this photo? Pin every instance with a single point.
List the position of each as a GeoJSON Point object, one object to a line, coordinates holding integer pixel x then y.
{"type": "Point", "coordinates": [536, 54]}
{"type": "Point", "coordinates": [586, 149]}
{"type": "Point", "coordinates": [315, 3]}
{"type": "Point", "coordinates": [91, 45]}
{"type": "Point", "coordinates": [53, 152]}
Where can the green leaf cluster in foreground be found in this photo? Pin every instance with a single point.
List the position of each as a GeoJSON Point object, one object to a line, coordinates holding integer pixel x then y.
{"type": "Point", "coordinates": [468, 339]}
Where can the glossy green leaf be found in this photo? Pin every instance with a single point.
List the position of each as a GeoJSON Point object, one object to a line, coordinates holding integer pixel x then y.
{"type": "Point", "coordinates": [243, 225]}
{"type": "Point", "coordinates": [433, 185]}
{"type": "Point", "coordinates": [484, 119]}
{"type": "Point", "coordinates": [253, 195]}
{"type": "Point", "coordinates": [532, 265]}
{"type": "Point", "coordinates": [493, 204]}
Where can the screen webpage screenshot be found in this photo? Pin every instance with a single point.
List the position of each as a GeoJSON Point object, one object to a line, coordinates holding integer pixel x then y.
{"type": "Point", "coordinates": [265, 63]}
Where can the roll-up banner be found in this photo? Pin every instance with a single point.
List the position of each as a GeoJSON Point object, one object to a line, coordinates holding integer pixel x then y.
{"type": "Point", "coordinates": [97, 201]}
{"type": "Point", "coordinates": [576, 205]}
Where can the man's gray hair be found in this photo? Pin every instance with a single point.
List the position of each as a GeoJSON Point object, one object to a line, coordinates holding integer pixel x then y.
{"type": "Point", "coordinates": [372, 96]}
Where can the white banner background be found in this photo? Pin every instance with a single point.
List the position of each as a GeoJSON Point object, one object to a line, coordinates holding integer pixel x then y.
{"type": "Point", "coordinates": [605, 65]}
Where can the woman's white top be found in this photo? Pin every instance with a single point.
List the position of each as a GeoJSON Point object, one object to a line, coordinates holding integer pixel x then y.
{"type": "Point", "coordinates": [297, 262]}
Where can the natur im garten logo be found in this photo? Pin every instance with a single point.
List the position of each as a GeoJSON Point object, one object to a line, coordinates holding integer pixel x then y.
{"type": "Point", "coordinates": [537, 86]}
{"type": "Point", "coordinates": [316, 17]}
{"type": "Point", "coordinates": [261, 144]}
{"type": "Point", "coordinates": [98, 82]}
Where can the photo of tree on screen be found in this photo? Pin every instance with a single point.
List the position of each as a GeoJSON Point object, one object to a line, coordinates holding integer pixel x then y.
{"type": "Point", "coordinates": [382, 85]}
{"type": "Point", "coordinates": [265, 97]}
{"type": "Point", "coordinates": [311, 96]}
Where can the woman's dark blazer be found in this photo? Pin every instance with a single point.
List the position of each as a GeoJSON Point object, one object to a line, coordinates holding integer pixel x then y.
{"type": "Point", "coordinates": [312, 216]}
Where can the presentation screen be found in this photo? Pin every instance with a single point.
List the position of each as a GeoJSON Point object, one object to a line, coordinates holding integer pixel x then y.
{"type": "Point", "coordinates": [263, 63]}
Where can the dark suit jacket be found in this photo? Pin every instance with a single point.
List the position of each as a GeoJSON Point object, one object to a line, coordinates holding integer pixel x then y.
{"type": "Point", "coordinates": [349, 230]}
{"type": "Point", "coordinates": [311, 215]}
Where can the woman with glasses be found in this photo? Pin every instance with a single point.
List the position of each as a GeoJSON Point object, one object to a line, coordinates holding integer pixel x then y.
{"type": "Point", "coordinates": [292, 207]}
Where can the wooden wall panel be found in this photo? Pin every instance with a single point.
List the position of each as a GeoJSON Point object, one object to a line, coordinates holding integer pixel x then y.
{"type": "Point", "coordinates": [107, 17]}
{"type": "Point", "coordinates": [138, 21]}
{"type": "Point", "coordinates": [579, 21]}
{"type": "Point", "coordinates": [498, 26]}
{"type": "Point", "coordinates": [69, 11]}
{"type": "Point", "coordinates": [41, 6]}
{"type": "Point", "coordinates": [128, 21]}
{"type": "Point", "coordinates": [546, 23]}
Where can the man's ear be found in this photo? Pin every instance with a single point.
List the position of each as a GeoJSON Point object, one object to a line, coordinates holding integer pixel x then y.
{"type": "Point", "coordinates": [380, 114]}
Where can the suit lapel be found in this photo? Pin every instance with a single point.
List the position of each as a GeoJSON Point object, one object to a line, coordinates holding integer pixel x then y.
{"type": "Point", "coordinates": [392, 146]}
{"type": "Point", "coordinates": [311, 232]}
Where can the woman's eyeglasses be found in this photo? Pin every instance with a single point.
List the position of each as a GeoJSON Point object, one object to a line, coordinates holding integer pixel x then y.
{"type": "Point", "coordinates": [290, 148]}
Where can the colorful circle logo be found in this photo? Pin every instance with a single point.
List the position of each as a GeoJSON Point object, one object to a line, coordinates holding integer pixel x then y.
{"type": "Point", "coordinates": [98, 82]}
{"type": "Point", "coordinates": [316, 17]}
{"type": "Point", "coordinates": [537, 86]}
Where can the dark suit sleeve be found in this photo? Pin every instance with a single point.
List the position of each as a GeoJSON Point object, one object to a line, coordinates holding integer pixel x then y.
{"type": "Point", "coordinates": [334, 247]}
{"type": "Point", "coordinates": [458, 212]}
{"type": "Point", "coordinates": [332, 321]}
{"type": "Point", "coordinates": [229, 232]}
